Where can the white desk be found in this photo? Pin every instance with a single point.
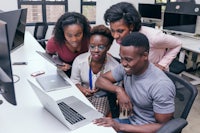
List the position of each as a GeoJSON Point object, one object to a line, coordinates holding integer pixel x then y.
{"type": "Point", "coordinates": [190, 44]}
{"type": "Point", "coordinates": [29, 116]}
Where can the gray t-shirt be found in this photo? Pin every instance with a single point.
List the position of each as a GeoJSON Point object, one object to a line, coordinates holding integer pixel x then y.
{"type": "Point", "coordinates": [149, 92]}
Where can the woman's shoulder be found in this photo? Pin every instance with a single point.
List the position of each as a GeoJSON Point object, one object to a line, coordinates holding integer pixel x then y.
{"type": "Point", "coordinates": [52, 41]}
{"type": "Point", "coordinates": [83, 57]}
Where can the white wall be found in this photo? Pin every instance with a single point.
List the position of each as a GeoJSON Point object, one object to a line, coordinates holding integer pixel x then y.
{"type": "Point", "coordinates": [8, 5]}
{"type": "Point", "coordinates": [103, 5]}
{"type": "Point", "coordinates": [74, 5]}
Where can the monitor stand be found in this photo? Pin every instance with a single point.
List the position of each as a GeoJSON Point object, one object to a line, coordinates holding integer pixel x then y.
{"type": "Point", "coordinates": [1, 92]}
{"type": "Point", "coordinates": [1, 101]}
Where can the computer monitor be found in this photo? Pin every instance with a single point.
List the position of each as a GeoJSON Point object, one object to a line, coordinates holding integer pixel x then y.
{"type": "Point", "coordinates": [182, 1]}
{"type": "Point", "coordinates": [178, 23]}
{"type": "Point", "coordinates": [6, 76]}
{"type": "Point", "coordinates": [16, 21]}
{"type": "Point", "coordinates": [151, 11]}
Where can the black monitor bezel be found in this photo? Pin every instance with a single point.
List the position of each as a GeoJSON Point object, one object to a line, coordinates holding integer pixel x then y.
{"type": "Point", "coordinates": [146, 10]}
{"type": "Point", "coordinates": [168, 24]}
{"type": "Point", "coordinates": [6, 82]}
{"type": "Point", "coordinates": [16, 21]}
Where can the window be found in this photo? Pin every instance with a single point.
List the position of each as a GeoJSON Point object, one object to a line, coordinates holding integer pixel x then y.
{"type": "Point", "coordinates": [43, 10]}
{"type": "Point", "coordinates": [88, 9]}
{"type": "Point", "coordinates": [163, 3]}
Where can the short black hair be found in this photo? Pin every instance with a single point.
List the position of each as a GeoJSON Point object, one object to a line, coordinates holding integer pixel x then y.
{"type": "Point", "coordinates": [126, 11]}
{"type": "Point", "coordinates": [136, 39]}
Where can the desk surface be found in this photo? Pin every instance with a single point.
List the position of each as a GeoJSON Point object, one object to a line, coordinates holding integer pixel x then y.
{"type": "Point", "coordinates": [29, 116]}
{"type": "Point", "coordinates": [190, 44]}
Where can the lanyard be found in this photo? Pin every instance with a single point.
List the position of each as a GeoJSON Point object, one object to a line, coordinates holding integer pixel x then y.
{"type": "Point", "coordinates": [90, 78]}
{"type": "Point", "coordinates": [90, 73]}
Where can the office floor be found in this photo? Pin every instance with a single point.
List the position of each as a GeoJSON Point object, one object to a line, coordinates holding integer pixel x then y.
{"type": "Point", "coordinates": [194, 116]}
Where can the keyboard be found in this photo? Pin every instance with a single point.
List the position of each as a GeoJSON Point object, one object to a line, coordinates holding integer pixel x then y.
{"type": "Point", "coordinates": [70, 114]}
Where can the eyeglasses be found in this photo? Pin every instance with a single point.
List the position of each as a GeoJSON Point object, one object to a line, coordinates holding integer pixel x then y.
{"type": "Point", "coordinates": [99, 47]}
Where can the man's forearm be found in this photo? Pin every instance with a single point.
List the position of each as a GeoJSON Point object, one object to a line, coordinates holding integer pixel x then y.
{"type": "Point", "coordinates": [105, 84]}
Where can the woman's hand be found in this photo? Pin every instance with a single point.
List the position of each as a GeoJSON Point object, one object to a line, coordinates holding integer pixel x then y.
{"type": "Point", "coordinates": [64, 67]}
{"type": "Point", "coordinates": [86, 91]}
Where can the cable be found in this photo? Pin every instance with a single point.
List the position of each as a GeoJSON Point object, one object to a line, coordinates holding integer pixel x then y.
{"type": "Point", "coordinates": [18, 78]}
{"type": "Point", "coordinates": [1, 101]}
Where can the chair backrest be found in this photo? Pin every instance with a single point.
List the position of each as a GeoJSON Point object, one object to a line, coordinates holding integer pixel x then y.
{"type": "Point", "coordinates": [40, 30]}
{"type": "Point", "coordinates": [185, 95]}
{"type": "Point", "coordinates": [177, 67]}
{"type": "Point", "coordinates": [173, 126]}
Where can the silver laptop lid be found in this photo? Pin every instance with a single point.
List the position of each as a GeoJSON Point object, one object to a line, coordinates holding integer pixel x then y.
{"type": "Point", "coordinates": [52, 106]}
{"type": "Point", "coordinates": [52, 82]}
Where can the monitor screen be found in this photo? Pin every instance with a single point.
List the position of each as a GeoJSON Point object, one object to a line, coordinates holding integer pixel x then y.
{"type": "Point", "coordinates": [180, 22]}
{"type": "Point", "coordinates": [6, 76]}
{"type": "Point", "coordinates": [16, 21]}
{"type": "Point", "coordinates": [150, 10]}
{"type": "Point", "coordinates": [20, 30]}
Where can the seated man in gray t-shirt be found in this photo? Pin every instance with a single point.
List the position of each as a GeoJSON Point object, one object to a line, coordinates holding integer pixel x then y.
{"type": "Point", "coordinates": [148, 94]}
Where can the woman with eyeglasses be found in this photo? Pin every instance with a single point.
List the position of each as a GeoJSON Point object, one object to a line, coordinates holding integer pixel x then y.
{"type": "Point", "coordinates": [70, 39]}
{"type": "Point", "coordinates": [88, 66]}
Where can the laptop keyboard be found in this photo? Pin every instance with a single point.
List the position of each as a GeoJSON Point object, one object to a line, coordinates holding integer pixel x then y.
{"type": "Point", "coordinates": [70, 114]}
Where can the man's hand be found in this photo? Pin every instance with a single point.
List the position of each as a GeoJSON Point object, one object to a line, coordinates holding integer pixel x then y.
{"type": "Point", "coordinates": [107, 122]}
{"type": "Point", "coordinates": [124, 101]}
{"type": "Point", "coordinates": [64, 67]}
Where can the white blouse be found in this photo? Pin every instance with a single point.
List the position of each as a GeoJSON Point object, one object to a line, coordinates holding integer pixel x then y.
{"type": "Point", "coordinates": [80, 69]}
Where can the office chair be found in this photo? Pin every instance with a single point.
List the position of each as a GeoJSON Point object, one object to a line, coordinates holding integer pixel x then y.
{"type": "Point", "coordinates": [179, 124]}
{"type": "Point", "coordinates": [177, 67]}
{"type": "Point", "coordinates": [180, 68]}
{"type": "Point", "coordinates": [40, 33]}
{"type": "Point", "coordinates": [185, 96]}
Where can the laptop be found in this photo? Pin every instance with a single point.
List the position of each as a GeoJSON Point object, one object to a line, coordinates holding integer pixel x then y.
{"type": "Point", "coordinates": [79, 114]}
{"type": "Point", "coordinates": [51, 58]}
{"type": "Point", "coordinates": [52, 82]}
